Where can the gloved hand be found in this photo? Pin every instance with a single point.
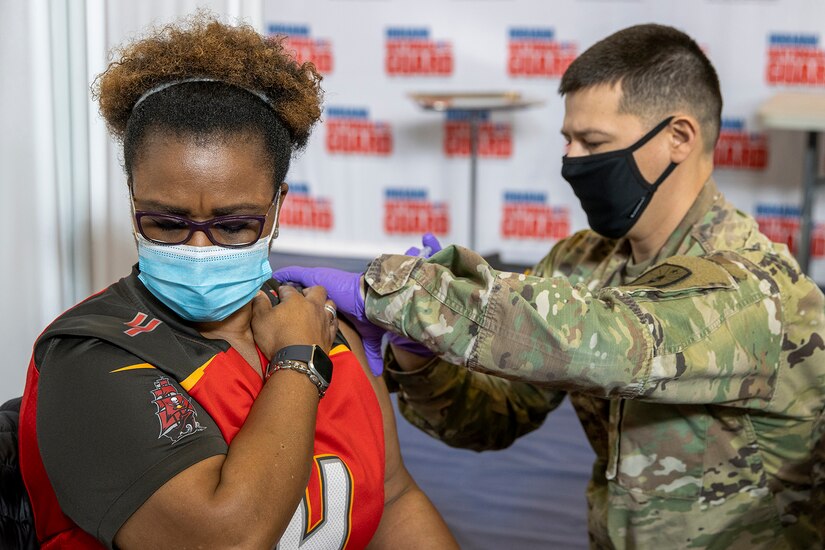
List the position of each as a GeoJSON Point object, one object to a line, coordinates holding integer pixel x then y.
{"type": "Point", "coordinates": [343, 288]}
{"type": "Point", "coordinates": [430, 246]}
{"type": "Point", "coordinates": [404, 343]}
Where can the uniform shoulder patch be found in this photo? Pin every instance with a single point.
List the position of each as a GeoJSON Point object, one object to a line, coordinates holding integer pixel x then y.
{"type": "Point", "coordinates": [662, 276]}
{"type": "Point", "coordinates": [684, 273]}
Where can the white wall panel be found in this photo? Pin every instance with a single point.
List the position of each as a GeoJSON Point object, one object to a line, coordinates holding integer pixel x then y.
{"type": "Point", "coordinates": [31, 277]}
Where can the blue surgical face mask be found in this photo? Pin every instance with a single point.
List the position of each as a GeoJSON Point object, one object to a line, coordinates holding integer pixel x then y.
{"type": "Point", "coordinates": [204, 283]}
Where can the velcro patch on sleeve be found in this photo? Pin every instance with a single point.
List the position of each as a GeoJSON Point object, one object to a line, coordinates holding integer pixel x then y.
{"type": "Point", "coordinates": [681, 273]}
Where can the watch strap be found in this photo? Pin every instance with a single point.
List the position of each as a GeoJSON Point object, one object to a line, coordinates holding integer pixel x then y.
{"type": "Point", "coordinates": [303, 369]}
{"type": "Point", "coordinates": [295, 353]}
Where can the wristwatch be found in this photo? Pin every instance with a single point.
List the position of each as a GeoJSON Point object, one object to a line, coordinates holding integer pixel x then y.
{"type": "Point", "coordinates": [318, 365]}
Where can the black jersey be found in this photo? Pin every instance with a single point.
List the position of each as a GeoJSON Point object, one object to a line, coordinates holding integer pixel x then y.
{"type": "Point", "coordinates": [122, 395]}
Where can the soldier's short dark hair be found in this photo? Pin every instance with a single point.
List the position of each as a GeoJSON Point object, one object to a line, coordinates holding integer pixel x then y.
{"type": "Point", "coordinates": [660, 69]}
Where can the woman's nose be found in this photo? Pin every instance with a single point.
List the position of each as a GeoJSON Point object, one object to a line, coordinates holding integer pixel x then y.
{"type": "Point", "coordinates": [199, 238]}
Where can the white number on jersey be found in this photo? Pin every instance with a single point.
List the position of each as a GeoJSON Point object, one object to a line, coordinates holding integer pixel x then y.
{"type": "Point", "coordinates": [333, 530]}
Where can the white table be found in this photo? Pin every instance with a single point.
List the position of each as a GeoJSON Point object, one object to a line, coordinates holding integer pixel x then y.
{"type": "Point", "coordinates": [474, 104]}
{"type": "Point", "coordinates": [803, 112]}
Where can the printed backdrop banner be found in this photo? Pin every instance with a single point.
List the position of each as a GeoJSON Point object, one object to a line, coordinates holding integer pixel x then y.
{"type": "Point", "coordinates": [379, 170]}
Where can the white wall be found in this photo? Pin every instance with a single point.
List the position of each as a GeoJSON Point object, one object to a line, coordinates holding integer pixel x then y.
{"type": "Point", "coordinates": [30, 286]}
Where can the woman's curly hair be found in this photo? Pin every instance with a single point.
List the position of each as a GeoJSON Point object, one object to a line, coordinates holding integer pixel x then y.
{"type": "Point", "coordinates": [202, 46]}
{"type": "Point", "coordinates": [205, 80]}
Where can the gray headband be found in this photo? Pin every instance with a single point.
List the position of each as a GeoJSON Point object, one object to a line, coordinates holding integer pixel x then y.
{"type": "Point", "coordinates": [257, 93]}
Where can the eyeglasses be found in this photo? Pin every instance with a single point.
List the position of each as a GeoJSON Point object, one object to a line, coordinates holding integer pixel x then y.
{"type": "Point", "coordinates": [227, 231]}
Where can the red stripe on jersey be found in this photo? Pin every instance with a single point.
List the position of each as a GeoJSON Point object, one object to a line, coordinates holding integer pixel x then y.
{"type": "Point", "coordinates": [349, 427]}
{"type": "Point", "coordinates": [226, 390]}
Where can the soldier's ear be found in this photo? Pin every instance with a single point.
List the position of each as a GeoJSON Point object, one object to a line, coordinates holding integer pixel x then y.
{"type": "Point", "coordinates": [683, 133]}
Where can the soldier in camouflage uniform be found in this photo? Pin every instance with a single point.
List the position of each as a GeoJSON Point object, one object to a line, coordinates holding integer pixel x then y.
{"type": "Point", "coordinates": [695, 364]}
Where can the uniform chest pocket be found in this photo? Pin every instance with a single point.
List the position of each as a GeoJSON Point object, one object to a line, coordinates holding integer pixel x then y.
{"type": "Point", "coordinates": [661, 449]}
{"type": "Point", "coordinates": [688, 452]}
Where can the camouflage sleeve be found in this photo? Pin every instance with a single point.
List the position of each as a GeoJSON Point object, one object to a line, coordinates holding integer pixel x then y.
{"type": "Point", "coordinates": [818, 470]}
{"type": "Point", "coordinates": [471, 410]}
{"type": "Point", "coordinates": [692, 330]}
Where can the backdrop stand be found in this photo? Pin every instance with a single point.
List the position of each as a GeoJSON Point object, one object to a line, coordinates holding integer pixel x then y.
{"type": "Point", "coordinates": [805, 112]}
{"type": "Point", "coordinates": [475, 105]}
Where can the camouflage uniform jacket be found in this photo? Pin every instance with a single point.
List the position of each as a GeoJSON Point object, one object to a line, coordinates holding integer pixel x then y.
{"type": "Point", "coordinates": [699, 377]}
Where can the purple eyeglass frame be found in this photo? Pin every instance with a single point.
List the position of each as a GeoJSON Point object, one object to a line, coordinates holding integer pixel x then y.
{"type": "Point", "coordinates": [204, 226]}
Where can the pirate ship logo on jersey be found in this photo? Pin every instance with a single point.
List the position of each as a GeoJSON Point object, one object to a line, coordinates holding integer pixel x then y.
{"type": "Point", "coordinates": [175, 412]}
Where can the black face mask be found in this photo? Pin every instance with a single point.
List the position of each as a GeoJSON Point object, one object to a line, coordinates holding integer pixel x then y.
{"type": "Point", "coordinates": [612, 191]}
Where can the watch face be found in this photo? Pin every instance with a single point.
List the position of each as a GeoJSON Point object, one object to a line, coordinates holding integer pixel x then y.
{"type": "Point", "coordinates": [322, 364]}
{"type": "Point", "coordinates": [309, 354]}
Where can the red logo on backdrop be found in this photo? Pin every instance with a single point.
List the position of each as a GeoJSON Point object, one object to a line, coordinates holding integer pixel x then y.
{"type": "Point", "coordinates": [176, 414]}
{"type": "Point", "coordinates": [527, 215]}
{"type": "Point", "coordinates": [536, 52]}
{"type": "Point", "coordinates": [795, 59]}
{"type": "Point", "coordinates": [738, 148]}
{"type": "Point", "coordinates": [780, 223]}
{"type": "Point", "coordinates": [351, 132]}
{"type": "Point", "coordinates": [304, 211]}
{"type": "Point", "coordinates": [317, 51]}
{"type": "Point", "coordinates": [410, 212]}
{"type": "Point", "coordinates": [494, 139]}
{"type": "Point", "coordinates": [411, 52]}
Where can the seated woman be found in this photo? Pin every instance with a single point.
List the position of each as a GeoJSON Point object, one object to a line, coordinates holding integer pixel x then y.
{"type": "Point", "coordinates": [183, 406]}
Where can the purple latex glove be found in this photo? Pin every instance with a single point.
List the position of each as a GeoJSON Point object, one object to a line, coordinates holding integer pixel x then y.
{"type": "Point", "coordinates": [411, 346]}
{"type": "Point", "coordinates": [430, 246]}
{"type": "Point", "coordinates": [343, 288]}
